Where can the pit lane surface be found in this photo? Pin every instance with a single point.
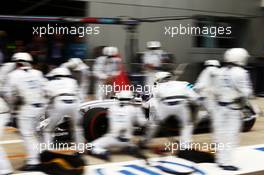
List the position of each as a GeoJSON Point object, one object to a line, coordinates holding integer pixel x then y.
{"type": "Point", "coordinates": [248, 158]}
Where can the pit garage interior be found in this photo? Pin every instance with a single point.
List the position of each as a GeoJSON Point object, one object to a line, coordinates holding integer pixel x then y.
{"type": "Point", "coordinates": [145, 21]}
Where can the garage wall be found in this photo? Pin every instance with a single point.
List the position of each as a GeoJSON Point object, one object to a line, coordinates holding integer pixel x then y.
{"type": "Point", "coordinates": [180, 46]}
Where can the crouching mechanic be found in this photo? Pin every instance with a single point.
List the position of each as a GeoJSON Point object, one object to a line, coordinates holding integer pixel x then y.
{"type": "Point", "coordinates": [76, 65]}
{"type": "Point", "coordinates": [233, 88]}
{"type": "Point", "coordinates": [171, 98]}
{"type": "Point", "coordinates": [25, 87]}
{"type": "Point", "coordinates": [62, 92]}
{"type": "Point", "coordinates": [121, 116]}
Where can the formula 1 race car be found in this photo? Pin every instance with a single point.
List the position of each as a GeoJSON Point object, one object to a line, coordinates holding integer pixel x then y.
{"type": "Point", "coordinates": [95, 121]}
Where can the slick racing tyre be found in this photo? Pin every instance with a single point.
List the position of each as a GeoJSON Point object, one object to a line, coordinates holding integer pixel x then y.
{"type": "Point", "coordinates": [95, 123]}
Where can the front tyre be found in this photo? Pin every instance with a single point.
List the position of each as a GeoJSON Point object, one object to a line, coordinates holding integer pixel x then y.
{"type": "Point", "coordinates": [95, 123]}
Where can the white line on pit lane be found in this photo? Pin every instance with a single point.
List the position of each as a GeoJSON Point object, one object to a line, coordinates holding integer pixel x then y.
{"type": "Point", "coordinates": [10, 142]}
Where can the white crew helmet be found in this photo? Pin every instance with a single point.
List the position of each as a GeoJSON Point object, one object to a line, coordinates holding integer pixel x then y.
{"type": "Point", "coordinates": [104, 51]}
{"type": "Point", "coordinates": [75, 64]}
{"type": "Point", "coordinates": [238, 56]}
{"type": "Point", "coordinates": [153, 44]}
{"type": "Point", "coordinates": [22, 57]}
{"type": "Point", "coordinates": [124, 95]}
{"type": "Point", "coordinates": [159, 76]}
{"type": "Point", "coordinates": [110, 51]}
{"type": "Point", "coordinates": [215, 63]}
{"type": "Point", "coordinates": [60, 71]}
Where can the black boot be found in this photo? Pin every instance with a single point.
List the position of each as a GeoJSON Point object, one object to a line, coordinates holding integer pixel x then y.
{"type": "Point", "coordinates": [8, 173]}
{"type": "Point", "coordinates": [104, 156]}
{"type": "Point", "coordinates": [135, 151]}
{"type": "Point", "coordinates": [36, 167]}
{"type": "Point", "coordinates": [229, 167]}
{"type": "Point", "coordinates": [142, 144]}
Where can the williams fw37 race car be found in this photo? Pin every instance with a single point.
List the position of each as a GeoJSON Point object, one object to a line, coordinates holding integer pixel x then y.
{"type": "Point", "coordinates": [95, 121]}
